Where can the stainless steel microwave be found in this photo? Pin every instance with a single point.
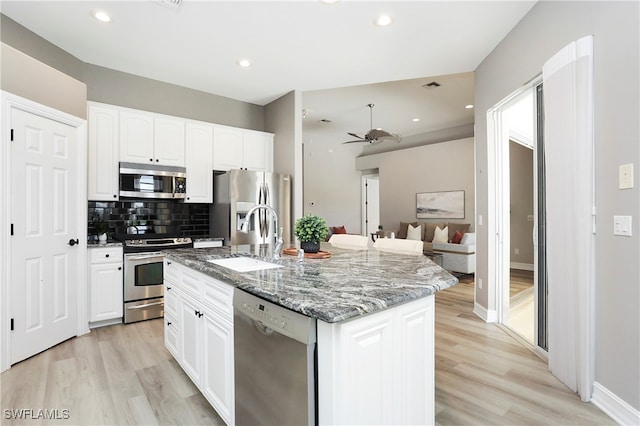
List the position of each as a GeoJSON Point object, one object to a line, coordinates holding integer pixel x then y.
{"type": "Point", "coordinates": [152, 181]}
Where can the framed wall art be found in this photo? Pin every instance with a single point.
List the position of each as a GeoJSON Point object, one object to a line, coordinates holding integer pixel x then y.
{"type": "Point", "coordinates": [440, 205]}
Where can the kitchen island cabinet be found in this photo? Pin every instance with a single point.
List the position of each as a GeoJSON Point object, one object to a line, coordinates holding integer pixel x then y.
{"type": "Point", "coordinates": [375, 324]}
{"type": "Point", "coordinates": [199, 332]}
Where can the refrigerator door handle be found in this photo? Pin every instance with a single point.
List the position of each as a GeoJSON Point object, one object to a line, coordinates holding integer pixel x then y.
{"type": "Point", "coordinates": [266, 216]}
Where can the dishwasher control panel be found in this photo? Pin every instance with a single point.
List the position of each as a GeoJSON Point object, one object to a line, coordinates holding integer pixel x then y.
{"type": "Point", "coordinates": [277, 318]}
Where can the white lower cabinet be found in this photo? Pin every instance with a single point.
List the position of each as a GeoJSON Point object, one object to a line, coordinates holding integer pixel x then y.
{"type": "Point", "coordinates": [200, 336]}
{"type": "Point", "coordinates": [378, 369]}
{"type": "Point", "coordinates": [105, 284]}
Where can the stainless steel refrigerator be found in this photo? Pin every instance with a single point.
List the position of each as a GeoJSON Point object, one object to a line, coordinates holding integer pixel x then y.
{"type": "Point", "coordinates": [235, 192]}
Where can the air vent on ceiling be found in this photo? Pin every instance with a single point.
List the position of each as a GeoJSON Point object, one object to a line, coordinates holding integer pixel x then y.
{"type": "Point", "coordinates": [431, 85]}
{"type": "Point", "coordinates": [170, 3]}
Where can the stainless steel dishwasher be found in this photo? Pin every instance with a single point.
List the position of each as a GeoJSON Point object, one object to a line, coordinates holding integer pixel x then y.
{"type": "Point", "coordinates": [275, 363]}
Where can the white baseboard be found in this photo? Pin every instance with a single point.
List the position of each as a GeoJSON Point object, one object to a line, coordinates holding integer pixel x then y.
{"type": "Point", "coordinates": [484, 313]}
{"type": "Point", "coordinates": [521, 266]}
{"type": "Point", "coordinates": [620, 411]}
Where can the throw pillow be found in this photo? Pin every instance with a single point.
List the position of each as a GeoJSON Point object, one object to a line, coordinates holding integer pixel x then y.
{"type": "Point", "coordinates": [468, 239]}
{"type": "Point", "coordinates": [429, 230]}
{"type": "Point", "coordinates": [457, 237]}
{"type": "Point", "coordinates": [414, 232]}
{"type": "Point", "coordinates": [441, 235]}
{"type": "Point", "coordinates": [453, 227]}
{"type": "Point", "coordinates": [338, 230]}
{"type": "Point", "coordinates": [402, 231]}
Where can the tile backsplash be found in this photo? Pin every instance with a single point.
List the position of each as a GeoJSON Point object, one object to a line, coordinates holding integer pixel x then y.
{"type": "Point", "coordinates": [181, 219]}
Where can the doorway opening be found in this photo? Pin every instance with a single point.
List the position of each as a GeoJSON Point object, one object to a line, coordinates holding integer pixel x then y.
{"type": "Point", "coordinates": [520, 285]}
{"type": "Point", "coordinates": [370, 204]}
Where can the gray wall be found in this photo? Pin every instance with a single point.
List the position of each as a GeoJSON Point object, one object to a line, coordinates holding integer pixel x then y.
{"type": "Point", "coordinates": [132, 91]}
{"type": "Point", "coordinates": [445, 166]}
{"type": "Point", "coordinates": [547, 28]}
{"type": "Point", "coordinates": [521, 200]}
{"type": "Point", "coordinates": [280, 119]}
{"type": "Point", "coordinates": [128, 90]}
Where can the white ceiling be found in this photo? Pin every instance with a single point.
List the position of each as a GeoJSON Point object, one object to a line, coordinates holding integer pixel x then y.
{"type": "Point", "coordinates": [293, 45]}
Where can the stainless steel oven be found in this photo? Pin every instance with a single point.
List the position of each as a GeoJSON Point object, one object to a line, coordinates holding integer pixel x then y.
{"type": "Point", "coordinates": [143, 276]}
{"type": "Point", "coordinates": [143, 288]}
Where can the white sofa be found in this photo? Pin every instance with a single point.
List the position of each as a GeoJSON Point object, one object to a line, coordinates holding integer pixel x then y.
{"type": "Point", "coordinates": [458, 257]}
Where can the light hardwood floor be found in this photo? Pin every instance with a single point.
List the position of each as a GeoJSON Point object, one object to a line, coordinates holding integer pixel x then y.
{"type": "Point", "coordinates": [522, 304]}
{"type": "Point", "coordinates": [122, 375]}
{"type": "Point", "coordinates": [485, 377]}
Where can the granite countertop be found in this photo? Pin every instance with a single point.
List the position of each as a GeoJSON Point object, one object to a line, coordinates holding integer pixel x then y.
{"type": "Point", "coordinates": [349, 284]}
{"type": "Point", "coordinates": [108, 243]}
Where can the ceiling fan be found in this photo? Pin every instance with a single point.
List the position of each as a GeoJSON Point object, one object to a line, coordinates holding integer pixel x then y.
{"type": "Point", "coordinates": [374, 136]}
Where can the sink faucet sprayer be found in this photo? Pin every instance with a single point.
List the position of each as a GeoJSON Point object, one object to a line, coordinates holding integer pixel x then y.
{"type": "Point", "coordinates": [279, 241]}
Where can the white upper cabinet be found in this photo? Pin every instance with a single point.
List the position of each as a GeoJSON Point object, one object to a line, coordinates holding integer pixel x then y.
{"type": "Point", "coordinates": [103, 156]}
{"type": "Point", "coordinates": [169, 141]}
{"type": "Point", "coordinates": [199, 162]}
{"type": "Point", "coordinates": [227, 148]}
{"type": "Point", "coordinates": [258, 151]}
{"type": "Point", "coordinates": [235, 148]}
{"type": "Point", "coordinates": [149, 138]}
{"type": "Point", "coordinates": [136, 137]}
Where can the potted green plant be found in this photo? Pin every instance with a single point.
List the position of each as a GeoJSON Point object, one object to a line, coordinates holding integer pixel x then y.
{"type": "Point", "coordinates": [101, 228]}
{"type": "Point", "coordinates": [310, 230]}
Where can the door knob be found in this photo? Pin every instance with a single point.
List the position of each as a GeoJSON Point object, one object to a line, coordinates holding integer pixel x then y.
{"type": "Point", "coordinates": [73, 242]}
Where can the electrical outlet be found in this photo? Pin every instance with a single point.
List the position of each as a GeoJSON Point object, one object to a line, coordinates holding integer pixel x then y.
{"type": "Point", "coordinates": [479, 281]}
{"type": "Point", "coordinates": [625, 176]}
{"type": "Point", "coordinates": [516, 251]}
{"type": "Point", "coordinates": [479, 220]}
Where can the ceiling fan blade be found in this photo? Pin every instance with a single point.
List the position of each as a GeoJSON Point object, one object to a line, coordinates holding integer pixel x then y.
{"type": "Point", "coordinates": [355, 135]}
{"type": "Point", "coordinates": [357, 141]}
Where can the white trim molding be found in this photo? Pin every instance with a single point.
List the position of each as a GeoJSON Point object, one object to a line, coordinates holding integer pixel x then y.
{"type": "Point", "coordinates": [487, 315]}
{"type": "Point", "coordinates": [621, 412]}
{"type": "Point", "coordinates": [522, 266]}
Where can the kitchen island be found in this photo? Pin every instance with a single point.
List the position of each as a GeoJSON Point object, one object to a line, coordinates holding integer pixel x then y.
{"type": "Point", "coordinates": [375, 319]}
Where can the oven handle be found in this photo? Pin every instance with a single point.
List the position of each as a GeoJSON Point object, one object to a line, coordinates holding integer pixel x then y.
{"type": "Point", "coordinates": [144, 256]}
{"type": "Point", "coordinates": [147, 305]}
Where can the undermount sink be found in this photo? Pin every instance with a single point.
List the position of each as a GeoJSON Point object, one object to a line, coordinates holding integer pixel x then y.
{"type": "Point", "coordinates": [244, 264]}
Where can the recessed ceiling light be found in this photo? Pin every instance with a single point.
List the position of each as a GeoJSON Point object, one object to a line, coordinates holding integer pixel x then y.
{"type": "Point", "coordinates": [416, 119]}
{"type": "Point", "coordinates": [468, 106]}
{"type": "Point", "coordinates": [244, 63]}
{"type": "Point", "coordinates": [383, 20]}
{"type": "Point", "coordinates": [102, 16]}
{"type": "Point", "coordinates": [329, 1]}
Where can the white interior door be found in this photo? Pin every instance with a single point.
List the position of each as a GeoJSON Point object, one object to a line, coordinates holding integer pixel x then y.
{"type": "Point", "coordinates": [44, 206]}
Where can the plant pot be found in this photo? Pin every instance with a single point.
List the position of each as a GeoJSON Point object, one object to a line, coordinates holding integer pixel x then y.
{"type": "Point", "coordinates": [310, 246]}
{"type": "Point", "coordinates": [102, 237]}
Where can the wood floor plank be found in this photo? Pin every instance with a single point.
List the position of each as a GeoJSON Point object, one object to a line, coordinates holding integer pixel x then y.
{"type": "Point", "coordinates": [123, 375]}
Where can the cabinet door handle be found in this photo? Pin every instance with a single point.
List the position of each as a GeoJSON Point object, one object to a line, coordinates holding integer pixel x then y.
{"type": "Point", "coordinates": [200, 314]}
{"type": "Point", "coordinates": [168, 288]}
{"type": "Point", "coordinates": [168, 262]}
{"type": "Point", "coordinates": [119, 268]}
{"type": "Point", "coordinates": [150, 159]}
{"type": "Point", "coordinates": [197, 313]}
{"type": "Point", "coordinates": [106, 255]}
{"type": "Point", "coordinates": [168, 322]}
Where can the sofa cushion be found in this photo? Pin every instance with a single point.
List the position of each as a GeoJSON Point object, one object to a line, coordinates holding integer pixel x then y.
{"type": "Point", "coordinates": [441, 235]}
{"type": "Point", "coordinates": [454, 227]}
{"type": "Point", "coordinates": [414, 232]}
{"type": "Point", "coordinates": [457, 237]}
{"type": "Point", "coordinates": [429, 231]}
{"type": "Point", "coordinates": [402, 231]}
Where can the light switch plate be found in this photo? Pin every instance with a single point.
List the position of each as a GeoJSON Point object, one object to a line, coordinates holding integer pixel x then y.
{"type": "Point", "coordinates": [625, 176]}
{"type": "Point", "coordinates": [622, 225]}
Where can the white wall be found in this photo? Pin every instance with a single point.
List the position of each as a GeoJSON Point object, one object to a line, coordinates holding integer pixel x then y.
{"type": "Point", "coordinates": [547, 28]}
